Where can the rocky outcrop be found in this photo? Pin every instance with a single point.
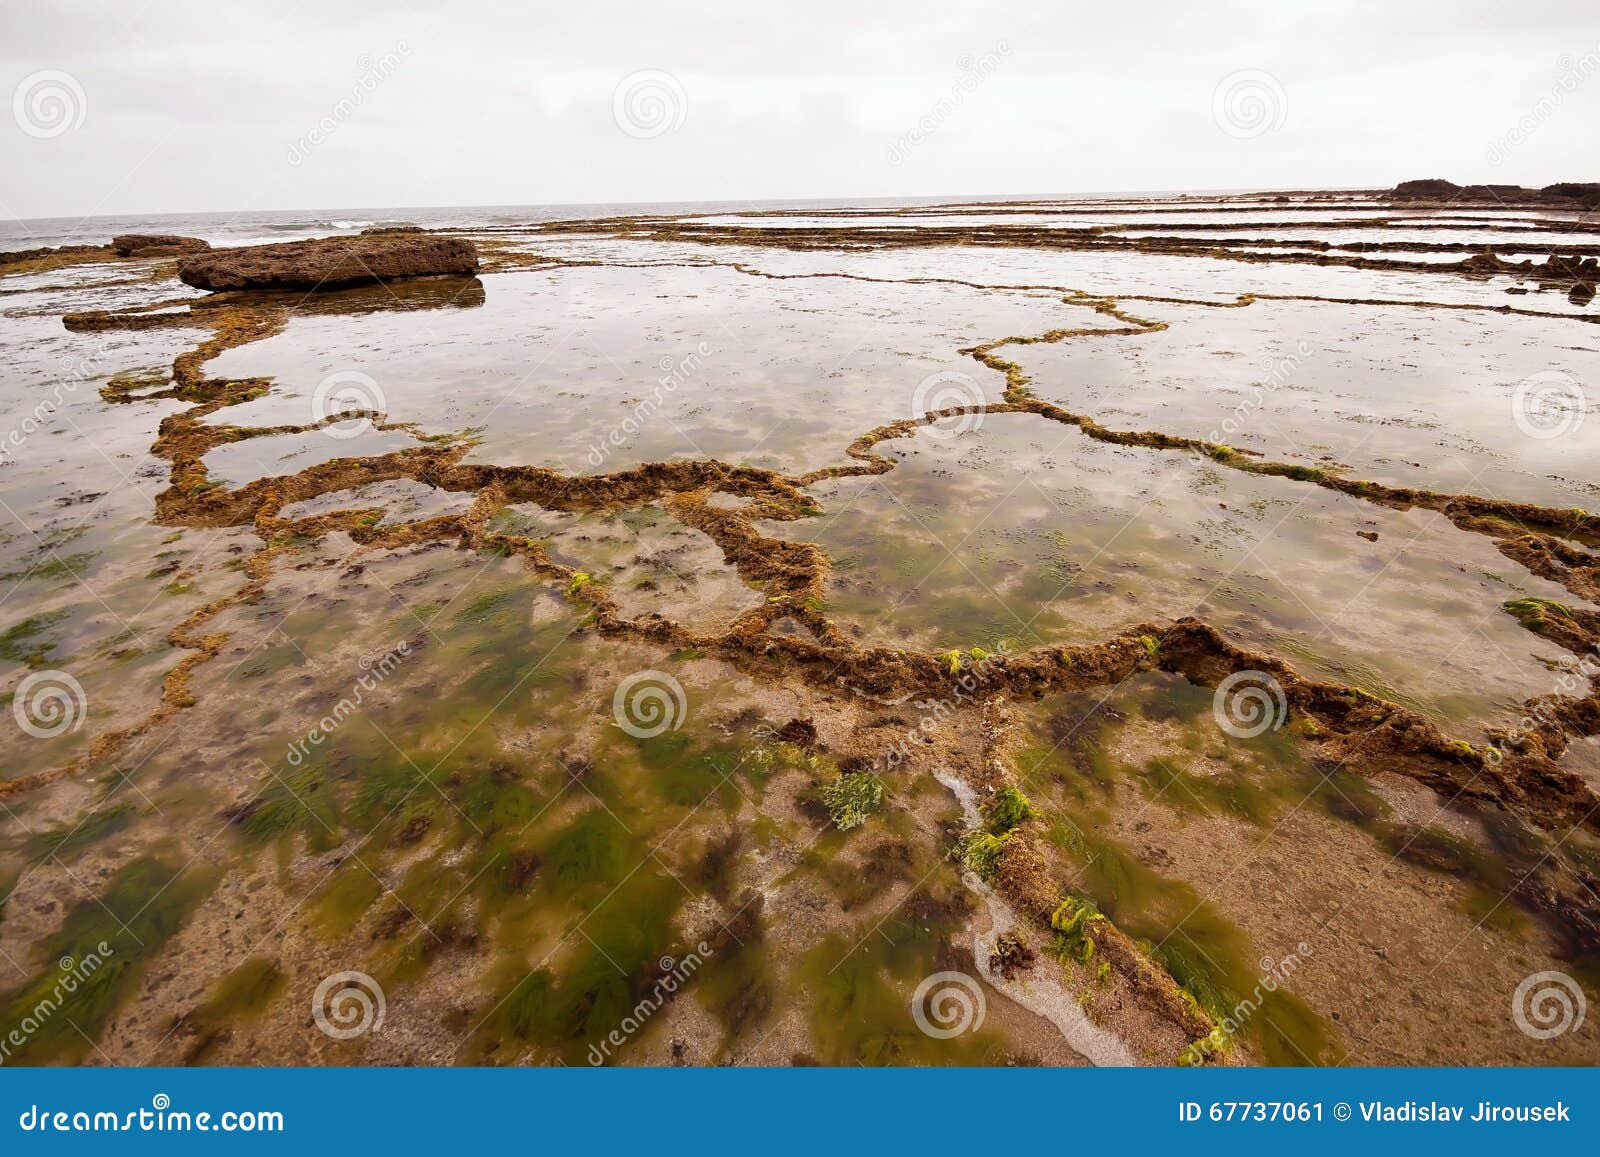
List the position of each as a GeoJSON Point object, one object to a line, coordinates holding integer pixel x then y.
{"type": "Point", "coordinates": [1586, 193]}
{"type": "Point", "coordinates": [37, 260]}
{"type": "Point", "coordinates": [1562, 194]}
{"type": "Point", "coordinates": [156, 245]}
{"type": "Point", "coordinates": [330, 262]}
{"type": "Point", "coordinates": [1555, 270]}
{"type": "Point", "coordinates": [1428, 189]}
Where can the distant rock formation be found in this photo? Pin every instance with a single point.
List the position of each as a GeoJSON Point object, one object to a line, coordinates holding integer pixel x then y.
{"type": "Point", "coordinates": [156, 245]}
{"type": "Point", "coordinates": [1588, 193]}
{"type": "Point", "coordinates": [1564, 194]}
{"type": "Point", "coordinates": [64, 252]}
{"type": "Point", "coordinates": [330, 262]}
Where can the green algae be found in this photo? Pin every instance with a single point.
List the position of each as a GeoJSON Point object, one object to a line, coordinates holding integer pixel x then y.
{"type": "Point", "coordinates": [740, 988]}
{"type": "Point", "coordinates": [565, 1005]}
{"type": "Point", "coordinates": [1209, 957]}
{"type": "Point", "coordinates": [1074, 922]}
{"type": "Point", "coordinates": [588, 856]}
{"type": "Point", "coordinates": [56, 568]}
{"type": "Point", "coordinates": [980, 852]}
{"type": "Point", "coordinates": [343, 899]}
{"type": "Point", "coordinates": [1532, 612]}
{"type": "Point", "coordinates": [143, 907]}
{"type": "Point", "coordinates": [851, 798]}
{"type": "Point", "coordinates": [1007, 809]}
{"type": "Point", "coordinates": [493, 607]}
{"type": "Point", "coordinates": [67, 840]}
{"type": "Point", "coordinates": [1229, 792]}
{"type": "Point", "coordinates": [238, 997]}
{"type": "Point", "coordinates": [860, 986]}
{"type": "Point", "coordinates": [20, 643]}
{"type": "Point", "coordinates": [300, 802]}
{"type": "Point", "coordinates": [682, 771]}
{"type": "Point", "coordinates": [245, 991]}
{"type": "Point", "coordinates": [270, 660]}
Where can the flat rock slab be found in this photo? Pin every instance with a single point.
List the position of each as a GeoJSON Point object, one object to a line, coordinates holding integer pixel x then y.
{"type": "Point", "coordinates": [156, 245]}
{"type": "Point", "coordinates": [329, 262]}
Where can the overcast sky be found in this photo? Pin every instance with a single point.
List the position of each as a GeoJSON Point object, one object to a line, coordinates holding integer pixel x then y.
{"type": "Point", "coordinates": [162, 105]}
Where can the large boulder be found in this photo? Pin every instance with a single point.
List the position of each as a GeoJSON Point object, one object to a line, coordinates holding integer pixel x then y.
{"type": "Point", "coordinates": [330, 262]}
{"type": "Point", "coordinates": [156, 245]}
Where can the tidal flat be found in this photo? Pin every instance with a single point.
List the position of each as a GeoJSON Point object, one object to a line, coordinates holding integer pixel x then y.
{"type": "Point", "coordinates": [1057, 632]}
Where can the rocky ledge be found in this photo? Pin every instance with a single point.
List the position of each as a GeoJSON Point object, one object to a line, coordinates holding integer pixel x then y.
{"type": "Point", "coordinates": [156, 245]}
{"type": "Point", "coordinates": [329, 262]}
